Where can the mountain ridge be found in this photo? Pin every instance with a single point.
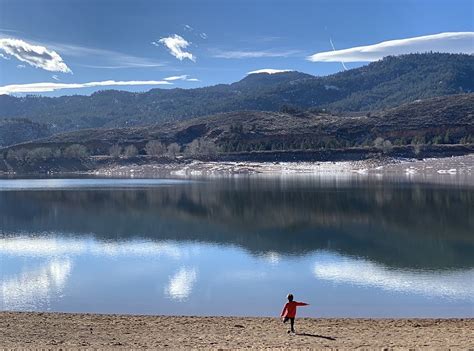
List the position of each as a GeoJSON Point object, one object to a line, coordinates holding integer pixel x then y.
{"type": "Point", "coordinates": [383, 84]}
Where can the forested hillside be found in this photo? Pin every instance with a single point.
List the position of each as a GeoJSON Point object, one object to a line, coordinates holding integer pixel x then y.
{"type": "Point", "coordinates": [444, 120]}
{"type": "Point", "coordinates": [14, 131]}
{"type": "Point", "coordinates": [380, 85]}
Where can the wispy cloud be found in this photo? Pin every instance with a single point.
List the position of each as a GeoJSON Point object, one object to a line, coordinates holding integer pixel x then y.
{"type": "Point", "coordinates": [176, 45]}
{"type": "Point", "coordinates": [51, 86]}
{"type": "Point", "coordinates": [455, 42]}
{"type": "Point", "coordinates": [269, 71]}
{"type": "Point", "coordinates": [6, 30]}
{"type": "Point", "coordinates": [241, 54]}
{"type": "Point", "coordinates": [34, 55]}
{"type": "Point", "coordinates": [184, 77]}
{"type": "Point", "coordinates": [260, 39]}
{"type": "Point", "coordinates": [188, 28]}
{"type": "Point", "coordinates": [108, 59]}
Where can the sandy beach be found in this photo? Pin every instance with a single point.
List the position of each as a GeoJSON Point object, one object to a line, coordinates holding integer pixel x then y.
{"type": "Point", "coordinates": [64, 331]}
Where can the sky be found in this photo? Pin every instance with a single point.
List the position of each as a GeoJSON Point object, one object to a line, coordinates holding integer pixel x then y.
{"type": "Point", "coordinates": [63, 47]}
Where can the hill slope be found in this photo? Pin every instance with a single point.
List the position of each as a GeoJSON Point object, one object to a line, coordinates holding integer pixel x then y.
{"type": "Point", "coordinates": [447, 119]}
{"type": "Point", "coordinates": [13, 131]}
{"type": "Point", "coordinates": [379, 85]}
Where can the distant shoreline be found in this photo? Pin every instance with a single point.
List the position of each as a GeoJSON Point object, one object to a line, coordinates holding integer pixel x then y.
{"type": "Point", "coordinates": [456, 169]}
{"type": "Point", "coordinates": [64, 330]}
{"type": "Point", "coordinates": [356, 155]}
{"type": "Point", "coordinates": [445, 170]}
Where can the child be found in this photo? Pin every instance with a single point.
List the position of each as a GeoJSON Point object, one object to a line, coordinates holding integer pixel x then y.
{"type": "Point", "coordinates": [289, 311]}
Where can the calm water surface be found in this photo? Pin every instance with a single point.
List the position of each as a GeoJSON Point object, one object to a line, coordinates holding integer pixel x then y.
{"type": "Point", "coordinates": [349, 246]}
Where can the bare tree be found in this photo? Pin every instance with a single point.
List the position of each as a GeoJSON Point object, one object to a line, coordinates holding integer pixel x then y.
{"type": "Point", "coordinates": [378, 143]}
{"type": "Point", "coordinates": [384, 145]}
{"type": "Point", "coordinates": [76, 151]}
{"type": "Point", "coordinates": [130, 151]}
{"type": "Point", "coordinates": [155, 148]}
{"type": "Point", "coordinates": [417, 148]}
{"type": "Point", "coordinates": [387, 146]}
{"type": "Point", "coordinates": [115, 151]}
{"type": "Point", "coordinates": [201, 147]}
{"type": "Point", "coordinates": [39, 153]}
{"type": "Point", "coordinates": [173, 149]}
{"type": "Point", "coordinates": [207, 148]}
{"type": "Point", "coordinates": [192, 149]}
{"type": "Point", "coordinates": [17, 155]}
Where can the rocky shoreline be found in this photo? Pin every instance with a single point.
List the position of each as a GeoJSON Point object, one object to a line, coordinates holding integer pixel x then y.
{"type": "Point", "coordinates": [455, 169]}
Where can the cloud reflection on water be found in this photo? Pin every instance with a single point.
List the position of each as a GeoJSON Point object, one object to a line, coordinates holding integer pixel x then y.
{"type": "Point", "coordinates": [55, 246]}
{"type": "Point", "coordinates": [341, 269]}
{"type": "Point", "coordinates": [181, 284]}
{"type": "Point", "coordinates": [29, 290]}
{"type": "Point", "coordinates": [37, 288]}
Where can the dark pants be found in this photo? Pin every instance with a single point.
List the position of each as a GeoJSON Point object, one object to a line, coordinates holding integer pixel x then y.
{"type": "Point", "coordinates": [292, 323]}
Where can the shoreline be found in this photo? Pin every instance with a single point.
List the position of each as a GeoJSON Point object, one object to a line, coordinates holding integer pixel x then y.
{"type": "Point", "coordinates": [454, 170]}
{"type": "Point", "coordinates": [73, 330]}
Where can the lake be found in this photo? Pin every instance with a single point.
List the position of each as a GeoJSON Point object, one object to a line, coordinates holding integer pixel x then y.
{"type": "Point", "coordinates": [349, 246]}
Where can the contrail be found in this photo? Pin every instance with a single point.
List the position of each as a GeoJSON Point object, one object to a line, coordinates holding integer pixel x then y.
{"type": "Point", "coordinates": [334, 49]}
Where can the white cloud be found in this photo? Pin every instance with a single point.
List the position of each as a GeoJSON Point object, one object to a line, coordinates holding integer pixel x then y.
{"type": "Point", "coordinates": [55, 77]}
{"type": "Point", "coordinates": [184, 77]}
{"type": "Point", "coordinates": [175, 45]}
{"type": "Point", "coordinates": [253, 54]}
{"type": "Point", "coordinates": [49, 86]}
{"type": "Point", "coordinates": [458, 42]}
{"type": "Point", "coordinates": [203, 35]}
{"type": "Point", "coordinates": [269, 71]}
{"type": "Point", "coordinates": [20, 66]}
{"type": "Point", "coordinates": [34, 55]}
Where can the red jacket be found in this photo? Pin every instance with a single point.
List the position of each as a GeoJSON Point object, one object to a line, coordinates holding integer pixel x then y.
{"type": "Point", "coordinates": [289, 310]}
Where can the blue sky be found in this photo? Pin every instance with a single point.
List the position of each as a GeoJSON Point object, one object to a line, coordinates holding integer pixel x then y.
{"type": "Point", "coordinates": [122, 40]}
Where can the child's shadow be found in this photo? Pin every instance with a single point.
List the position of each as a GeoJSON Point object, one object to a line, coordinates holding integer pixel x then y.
{"type": "Point", "coordinates": [317, 336]}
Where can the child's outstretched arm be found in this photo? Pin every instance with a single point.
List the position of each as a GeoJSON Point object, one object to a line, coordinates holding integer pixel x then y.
{"type": "Point", "coordinates": [284, 310]}
{"type": "Point", "coordinates": [302, 304]}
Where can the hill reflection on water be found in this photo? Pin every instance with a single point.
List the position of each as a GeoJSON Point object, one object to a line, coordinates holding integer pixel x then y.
{"type": "Point", "coordinates": [401, 225]}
